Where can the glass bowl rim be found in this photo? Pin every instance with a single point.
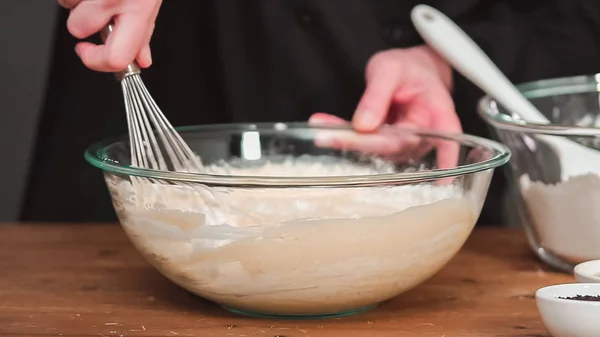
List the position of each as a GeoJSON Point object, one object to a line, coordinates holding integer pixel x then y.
{"type": "Point", "coordinates": [501, 156]}
{"type": "Point", "coordinates": [486, 107]}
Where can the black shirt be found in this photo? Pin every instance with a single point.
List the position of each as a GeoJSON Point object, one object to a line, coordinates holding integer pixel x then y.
{"type": "Point", "coordinates": [281, 60]}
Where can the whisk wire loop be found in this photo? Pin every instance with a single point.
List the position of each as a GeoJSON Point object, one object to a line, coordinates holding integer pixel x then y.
{"type": "Point", "coordinates": [147, 125]}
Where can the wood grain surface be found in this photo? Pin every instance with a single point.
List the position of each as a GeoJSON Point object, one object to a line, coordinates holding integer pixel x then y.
{"type": "Point", "coordinates": [88, 280]}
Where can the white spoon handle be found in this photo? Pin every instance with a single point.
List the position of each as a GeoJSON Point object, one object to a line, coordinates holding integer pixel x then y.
{"type": "Point", "coordinates": [443, 35]}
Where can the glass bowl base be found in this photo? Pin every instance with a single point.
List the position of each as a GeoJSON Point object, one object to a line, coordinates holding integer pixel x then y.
{"type": "Point", "coordinates": [547, 257]}
{"type": "Point", "coordinates": [555, 262]}
{"type": "Point", "coordinates": [301, 317]}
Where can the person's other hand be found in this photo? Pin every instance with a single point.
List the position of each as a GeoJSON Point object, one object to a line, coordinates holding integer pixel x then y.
{"type": "Point", "coordinates": [129, 40]}
{"type": "Point", "coordinates": [404, 87]}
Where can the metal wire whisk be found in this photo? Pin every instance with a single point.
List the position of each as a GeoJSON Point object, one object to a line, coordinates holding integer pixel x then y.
{"type": "Point", "coordinates": [145, 120]}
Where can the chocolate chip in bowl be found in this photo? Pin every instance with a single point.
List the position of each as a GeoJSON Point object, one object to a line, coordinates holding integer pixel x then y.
{"type": "Point", "coordinates": [570, 310]}
{"type": "Point", "coordinates": [592, 298]}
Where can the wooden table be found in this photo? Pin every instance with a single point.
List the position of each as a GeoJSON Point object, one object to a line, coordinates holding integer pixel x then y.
{"type": "Point", "coordinates": [87, 280]}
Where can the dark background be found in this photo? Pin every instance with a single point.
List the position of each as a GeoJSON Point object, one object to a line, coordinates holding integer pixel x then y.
{"type": "Point", "coordinates": [213, 63]}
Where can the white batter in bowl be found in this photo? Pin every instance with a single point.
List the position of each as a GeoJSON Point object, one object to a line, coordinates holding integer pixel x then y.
{"type": "Point", "coordinates": [270, 245]}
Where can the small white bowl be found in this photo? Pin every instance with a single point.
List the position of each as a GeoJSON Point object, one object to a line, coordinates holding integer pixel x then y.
{"type": "Point", "coordinates": [568, 317]}
{"type": "Point", "coordinates": [588, 272]}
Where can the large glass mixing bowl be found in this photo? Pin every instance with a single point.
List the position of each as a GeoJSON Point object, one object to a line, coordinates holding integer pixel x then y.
{"type": "Point", "coordinates": [556, 196]}
{"type": "Point", "coordinates": [292, 220]}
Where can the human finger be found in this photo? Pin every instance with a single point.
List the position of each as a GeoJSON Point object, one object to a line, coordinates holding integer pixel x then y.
{"type": "Point", "coordinates": [433, 108]}
{"type": "Point", "coordinates": [438, 107]}
{"type": "Point", "coordinates": [89, 18]}
{"type": "Point", "coordinates": [326, 119]}
{"type": "Point", "coordinates": [448, 151]}
{"type": "Point", "coordinates": [383, 75]}
{"type": "Point", "coordinates": [144, 57]}
{"type": "Point", "coordinates": [389, 143]}
{"type": "Point", "coordinates": [120, 48]}
{"type": "Point", "coordinates": [69, 4]}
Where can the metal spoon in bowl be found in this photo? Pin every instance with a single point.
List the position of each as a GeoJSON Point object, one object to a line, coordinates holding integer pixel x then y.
{"type": "Point", "coordinates": [443, 35]}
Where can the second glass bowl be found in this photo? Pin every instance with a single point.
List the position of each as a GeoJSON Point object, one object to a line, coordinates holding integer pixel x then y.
{"type": "Point", "coordinates": [559, 212]}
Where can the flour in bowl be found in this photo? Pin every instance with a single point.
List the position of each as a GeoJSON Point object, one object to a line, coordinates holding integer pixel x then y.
{"type": "Point", "coordinates": [296, 251]}
{"type": "Point", "coordinates": [566, 216]}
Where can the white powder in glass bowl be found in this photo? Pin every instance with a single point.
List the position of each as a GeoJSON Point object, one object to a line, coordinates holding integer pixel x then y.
{"type": "Point", "coordinates": [566, 216]}
{"type": "Point", "coordinates": [296, 251]}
